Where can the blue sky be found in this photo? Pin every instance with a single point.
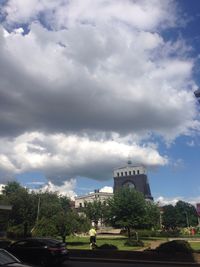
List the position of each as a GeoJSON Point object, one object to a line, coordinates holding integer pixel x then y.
{"type": "Point", "coordinates": [85, 86]}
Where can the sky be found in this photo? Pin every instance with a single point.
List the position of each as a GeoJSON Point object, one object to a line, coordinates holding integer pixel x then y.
{"type": "Point", "coordinates": [87, 85]}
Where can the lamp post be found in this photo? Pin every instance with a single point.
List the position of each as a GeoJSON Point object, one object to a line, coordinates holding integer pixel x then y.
{"type": "Point", "coordinates": [187, 220]}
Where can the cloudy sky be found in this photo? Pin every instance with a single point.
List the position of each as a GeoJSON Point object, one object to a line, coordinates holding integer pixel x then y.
{"type": "Point", "coordinates": [87, 85]}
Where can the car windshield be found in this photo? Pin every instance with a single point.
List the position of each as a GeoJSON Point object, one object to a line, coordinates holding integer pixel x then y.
{"type": "Point", "coordinates": [6, 258]}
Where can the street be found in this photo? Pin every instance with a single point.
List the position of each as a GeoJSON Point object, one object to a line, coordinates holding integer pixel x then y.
{"type": "Point", "coordinates": [120, 264]}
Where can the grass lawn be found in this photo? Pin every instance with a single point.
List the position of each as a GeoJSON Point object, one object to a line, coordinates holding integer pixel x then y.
{"type": "Point", "coordinates": [76, 242]}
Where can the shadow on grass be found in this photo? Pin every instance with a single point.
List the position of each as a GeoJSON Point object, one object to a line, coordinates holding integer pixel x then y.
{"type": "Point", "coordinates": [77, 243]}
{"type": "Point", "coordinates": [107, 247]}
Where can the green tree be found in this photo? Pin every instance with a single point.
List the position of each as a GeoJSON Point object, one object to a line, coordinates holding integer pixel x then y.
{"type": "Point", "coordinates": [51, 205]}
{"type": "Point", "coordinates": [127, 209]}
{"type": "Point", "coordinates": [23, 208]}
{"type": "Point", "coordinates": [186, 214]}
{"type": "Point", "coordinates": [94, 211]}
{"type": "Point", "coordinates": [11, 187]}
{"type": "Point", "coordinates": [152, 219]}
{"type": "Point", "coordinates": [45, 227]}
{"type": "Point", "coordinates": [169, 217]}
{"type": "Point", "coordinates": [183, 214]}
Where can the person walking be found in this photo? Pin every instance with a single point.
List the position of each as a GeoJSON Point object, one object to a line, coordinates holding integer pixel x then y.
{"type": "Point", "coordinates": [92, 234]}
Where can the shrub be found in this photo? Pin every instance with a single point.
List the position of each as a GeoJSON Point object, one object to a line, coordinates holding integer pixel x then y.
{"type": "Point", "coordinates": [108, 247]}
{"type": "Point", "coordinates": [170, 233]}
{"type": "Point", "coordinates": [175, 246]}
{"type": "Point", "coordinates": [134, 243]}
{"type": "Point", "coordinates": [147, 233]}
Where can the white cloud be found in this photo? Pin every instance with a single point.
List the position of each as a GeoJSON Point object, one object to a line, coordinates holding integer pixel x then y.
{"type": "Point", "coordinates": [106, 189]}
{"type": "Point", "coordinates": [143, 14]}
{"type": "Point", "coordinates": [162, 201]}
{"type": "Point", "coordinates": [88, 84]}
{"type": "Point", "coordinates": [67, 189]}
{"type": "Point", "coordinates": [62, 157]}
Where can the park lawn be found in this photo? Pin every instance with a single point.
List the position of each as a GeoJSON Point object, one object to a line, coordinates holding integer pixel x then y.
{"type": "Point", "coordinates": [76, 242]}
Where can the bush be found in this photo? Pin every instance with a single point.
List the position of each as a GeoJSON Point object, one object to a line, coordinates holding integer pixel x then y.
{"type": "Point", "coordinates": [134, 243]}
{"type": "Point", "coordinates": [175, 246]}
{"type": "Point", "coordinates": [170, 233]}
{"type": "Point", "coordinates": [147, 233]}
{"type": "Point", "coordinates": [108, 247]}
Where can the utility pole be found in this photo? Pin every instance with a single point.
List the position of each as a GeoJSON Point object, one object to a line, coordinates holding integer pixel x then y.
{"type": "Point", "coordinates": [38, 213]}
{"type": "Point", "coordinates": [38, 210]}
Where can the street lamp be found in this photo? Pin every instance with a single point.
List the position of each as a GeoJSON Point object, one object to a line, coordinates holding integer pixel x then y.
{"type": "Point", "coordinates": [187, 220]}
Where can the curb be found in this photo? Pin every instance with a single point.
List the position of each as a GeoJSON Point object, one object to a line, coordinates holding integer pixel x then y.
{"type": "Point", "coordinates": [134, 261]}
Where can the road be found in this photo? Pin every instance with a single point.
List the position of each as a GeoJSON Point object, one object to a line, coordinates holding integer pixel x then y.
{"type": "Point", "coordinates": [93, 263]}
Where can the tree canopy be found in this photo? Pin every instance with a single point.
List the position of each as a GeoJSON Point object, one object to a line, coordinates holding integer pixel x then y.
{"type": "Point", "coordinates": [127, 209]}
{"type": "Point", "coordinates": [183, 214]}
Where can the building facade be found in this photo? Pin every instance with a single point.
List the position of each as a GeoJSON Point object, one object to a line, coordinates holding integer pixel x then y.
{"type": "Point", "coordinates": [130, 176]}
{"type": "Point", "coordinates": [133, 177]}
{"type": "Point", "coordinates": [96, 195]}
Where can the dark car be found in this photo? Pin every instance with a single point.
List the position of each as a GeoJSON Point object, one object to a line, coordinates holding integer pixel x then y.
{"type": "Point", "coordinates": [40, 251]}
{"type": "Point", "coordinates": [6, 259]}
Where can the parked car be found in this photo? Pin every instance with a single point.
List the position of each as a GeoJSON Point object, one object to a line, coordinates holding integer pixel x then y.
{"type": "Point", "coordinates": [6, 259]}
{"type": "Point", "coordinates": [40, 251]}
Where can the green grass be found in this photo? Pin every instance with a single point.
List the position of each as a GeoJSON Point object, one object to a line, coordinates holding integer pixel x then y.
{"type": "Point", "coordinates": [76, 242]}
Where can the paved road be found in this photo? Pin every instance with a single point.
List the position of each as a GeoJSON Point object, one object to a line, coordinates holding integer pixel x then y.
{"type": "Point", "coordinates": [120, 264]}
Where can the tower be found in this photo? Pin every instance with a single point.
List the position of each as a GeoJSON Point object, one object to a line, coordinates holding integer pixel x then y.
{"type": "Point", "coordinates": [134, 177]}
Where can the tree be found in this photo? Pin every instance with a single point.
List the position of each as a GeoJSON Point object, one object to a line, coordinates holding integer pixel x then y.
{"type": "Point", "coordinates": [12, 187]}
{"type": "Point", "coordinates": [186, 214]}
{"type": "Point", "coordinates": [71, 223]}
{"type": "Point", "coordinates": [23, 208]}
{"type": "Point", "coordinates": [169, 217]}
{"type": "Point", "coordinates": [152, 216]}
{"type": "Point", "coordinates": [127, 209]}
{"type": "Point", "coordinates": [183, 214]}
{"type": "Point", "coordinates": [94, 211]}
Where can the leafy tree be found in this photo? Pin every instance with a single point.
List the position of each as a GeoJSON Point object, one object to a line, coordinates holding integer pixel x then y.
{"type": "Point", "coordinates": [169, 217]}
{"type": "Point", "coordinates": [51, 205]}
{"type": "Point", "coordinates": [45, 227]}
{"type": "Point", "coordinates": [71, 223]}
{"type": "Point", "coordinates": [183, 214]}
{"type": "Point", "coordinates": [152, 219]}
{"type": "Point", "coordinates": [23, 208]}
{"type": "Point", "coordinates": [94, 211]}
{"type": "Point", "coordinates": [186, 214]}
{"type": "Point", "coordinates": [127, 209]}
{"type": "Point", "coordinates": [11, 187]}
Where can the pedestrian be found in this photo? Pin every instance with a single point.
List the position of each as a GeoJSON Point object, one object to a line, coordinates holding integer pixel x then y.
{"type": "Point", "coordinates": [92, 234]}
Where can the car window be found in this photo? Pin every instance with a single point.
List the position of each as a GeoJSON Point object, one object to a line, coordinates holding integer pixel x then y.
{"type": "Point", "coordinates": [27, 243]}
{"type": "Point", "coordinates": [20, 244]}
{"type": "Point", "coordinates": [6, 258]}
